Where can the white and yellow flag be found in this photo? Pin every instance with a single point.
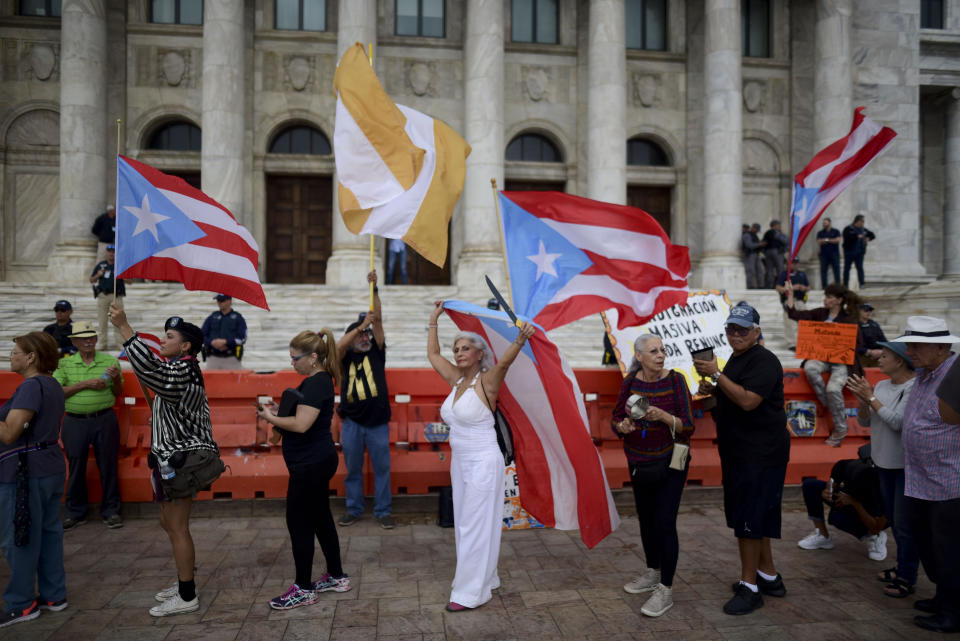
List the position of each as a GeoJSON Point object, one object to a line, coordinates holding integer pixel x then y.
{"type": "Point", "coordinates": [400, 172]}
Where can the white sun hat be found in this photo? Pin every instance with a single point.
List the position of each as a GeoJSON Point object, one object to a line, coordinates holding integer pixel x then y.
{"type": "Point", "coordinates": [926, 329]}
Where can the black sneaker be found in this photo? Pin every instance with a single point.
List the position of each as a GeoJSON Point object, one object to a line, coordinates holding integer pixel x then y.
{"type": "Point", "coordinates": [53, 606]}
{"type": "Point", "coordinates": [70, 523]}
{"type": "Point", "coordinates": [387, 522]}
{"type": "Point", "coordinates": [348, 519]}
{"type": "Point", "coordinates": [113, 521]}
{"type": "Point", "coordinates": [744, 601]}
{"type": "Point", "coordinates": [772, 588]}
{"type": "Point", "coordinates": [10, 617]}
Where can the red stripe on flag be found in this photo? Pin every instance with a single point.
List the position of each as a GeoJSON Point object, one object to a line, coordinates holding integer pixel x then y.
{"type": "Point", "coordinates": [219, 238]}
{"type": "Point", "coordinates": [558, 314]}
{"type": "Point", "coordinates": [161, 268]}
{"type": "Point", "coordinates": [632, 274]}
{"type": "Point", "coordinates": [576, 210]}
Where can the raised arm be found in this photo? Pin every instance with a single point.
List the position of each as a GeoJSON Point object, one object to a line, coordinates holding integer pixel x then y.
{"type": "Point", "coordinates": [494, 376]}
{"type": "Point", "coordinates": [444, 368]}
{"type": "Point", "coordinates": [377, 322]}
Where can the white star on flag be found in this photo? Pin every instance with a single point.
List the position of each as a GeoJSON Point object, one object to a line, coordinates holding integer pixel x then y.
{"type": "Point", "coordinates": [146, 220]}
{"type": "Point", "coordinates": [544, 262]}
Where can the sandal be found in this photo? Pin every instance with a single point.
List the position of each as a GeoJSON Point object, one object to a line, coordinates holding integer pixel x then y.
{"type": "Point", "coordinates": [899, 589]}
{"type": "Point", "coordinates": [888, 576]}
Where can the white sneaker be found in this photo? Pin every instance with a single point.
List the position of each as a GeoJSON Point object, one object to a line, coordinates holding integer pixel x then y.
{"type": "Point", "coordinates": [175, 605]}
{"type": "Point", "coordinates": [816, 541]}
{"type": "Point", "coordinates": [168, 593]}
{"type": "Point", "coordinates": [659, 602]}
{"type": "Point", "coordinates": [877, 546]}
{"type": "Point", "coordinates": [646, 582]}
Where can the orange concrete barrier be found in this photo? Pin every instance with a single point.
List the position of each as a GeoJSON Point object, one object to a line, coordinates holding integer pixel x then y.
{"type": "Point", "coordinates": [256, 469]}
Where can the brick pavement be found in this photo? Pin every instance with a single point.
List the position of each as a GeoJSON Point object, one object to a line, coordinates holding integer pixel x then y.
{"type": "Point", "coordinates": [552, 586]}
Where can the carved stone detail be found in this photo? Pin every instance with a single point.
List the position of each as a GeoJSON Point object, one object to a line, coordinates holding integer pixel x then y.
{"type": "Point", "coordinates": [537, 83]}
{"type": "Point", "coordinates": [754, 95]}
{"type": "Point", "coordinates": [173, 67]}
{"type": "Point", "coordinates": [299, 70]}
{"type": "Point", "coordinates": [646, 87]}
{"type": "Point", "coordinates": [37, 129]}
{"type": "Point", "coordinates": [42, 60]}
{"type": "Point", "coordinates": [419, 75]}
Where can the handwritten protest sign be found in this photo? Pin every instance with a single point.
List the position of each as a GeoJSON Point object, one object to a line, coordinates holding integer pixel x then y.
{"type": "Point", "coordinates": [828, 342]}
{"type": "Point", "coordinates": [683, 329]}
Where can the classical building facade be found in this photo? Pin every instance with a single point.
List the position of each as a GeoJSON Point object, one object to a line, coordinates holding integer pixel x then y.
{"type": "Point", "coordinates": [699, 111]}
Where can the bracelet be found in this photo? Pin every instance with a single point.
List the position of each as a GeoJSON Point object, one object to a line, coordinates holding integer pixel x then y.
{"type": "Point", "coordinates": [432, 326]}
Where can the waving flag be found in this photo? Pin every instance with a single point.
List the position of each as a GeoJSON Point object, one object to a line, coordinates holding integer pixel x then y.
{"type": "Point", "coordinates": [830, 172]}
{"type": "Point", "coordinates": [400, 172]}
{"type": "Point", "coordinates": [168, 230]}
{"type": "Point", "coordinates": [570, 257]}
{"type": "Point", "coordinates": [150, 341]}
{"type": "Point", "coordinates": [559, 471]}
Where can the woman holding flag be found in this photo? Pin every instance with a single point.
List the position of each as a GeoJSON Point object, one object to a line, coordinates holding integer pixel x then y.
{"type": "Point", "coordinates": [477, 470]}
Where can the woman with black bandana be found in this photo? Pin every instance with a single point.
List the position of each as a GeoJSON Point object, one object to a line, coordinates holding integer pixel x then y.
{"type": "Point", "coordinates": [183, 455]}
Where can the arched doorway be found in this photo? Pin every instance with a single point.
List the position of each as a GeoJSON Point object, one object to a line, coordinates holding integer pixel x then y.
{"type": "Point", "coordinates": [655, 199]}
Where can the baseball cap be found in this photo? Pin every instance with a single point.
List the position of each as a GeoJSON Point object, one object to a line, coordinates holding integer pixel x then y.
{"type": "Point", "coordinates": [62, 305]}
{"type": "Point", "coordinates": [867, 306]}
{"type": "Point", "coordinates": [222, 297]}
{"type": "Point", "coordinates": [743, 315]}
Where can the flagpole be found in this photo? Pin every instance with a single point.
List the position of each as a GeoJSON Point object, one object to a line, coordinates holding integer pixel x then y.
{"type": "Point", "coordinates": [370, 57]}
{"type": "Point", "coordinates": [503, 241]}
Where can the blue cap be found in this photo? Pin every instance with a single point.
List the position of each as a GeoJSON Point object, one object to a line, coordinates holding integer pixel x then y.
{"type": "Point", "coordinates": [743, 315]}
{"type": "Point", "coordinates": [900, 349]}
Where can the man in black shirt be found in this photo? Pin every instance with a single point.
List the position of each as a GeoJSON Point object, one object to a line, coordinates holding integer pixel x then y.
{"type": "Point", "coordinates": [365, 413]}
{"type": "Point", "coordinates": [751, 244]}
{"type": "Point", "coordinates": [774, 245]}
{"type": "Point", "coordinates": [856, 237]}
{"type": "Point", "coordinates": [798, 279]}
{"type": "Point", "coordinates": [829, 240]}
{"type": "Point", "coordinates": [872, 336]}
{"type": "Point", "coordinates": [754, 448]}
{"type": "Point", "coordinates": [102, 279]}
{"type": "Point", "coordinates": [105, 229]}
{"type": "Point", "coordinates": [62, 329]}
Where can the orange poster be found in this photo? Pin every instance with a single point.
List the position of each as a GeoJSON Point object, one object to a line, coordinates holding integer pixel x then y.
{"type": "Point", "coordinates": [830, 342]}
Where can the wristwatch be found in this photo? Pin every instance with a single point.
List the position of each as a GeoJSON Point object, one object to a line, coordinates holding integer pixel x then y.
{"type": "Point", "coordinates": [716, 376]}
{"type": "Point", "coordinates": [872, 399]}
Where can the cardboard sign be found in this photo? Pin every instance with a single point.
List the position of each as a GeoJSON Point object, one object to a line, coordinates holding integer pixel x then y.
{"type": "Point", "coordinates": [683, 329]}
{"type": "Point", "coordinates": [514, 516]}
{"type": "Point", "coordinates": [827, 342]}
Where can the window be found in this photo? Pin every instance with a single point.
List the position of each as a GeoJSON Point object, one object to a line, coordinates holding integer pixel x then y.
{"type": "Point", "coordinates": [755, 25]}
{"type": "Point", "coordinates": [176, 11]}
{"type": "Point", "coordinates": [533, 148]}
{"type": "Point", "coordinates": [176, 136]}
{"type": "Point", "coordinates": [300, 139]}
{"type": "Point", "coordinates": [646, 24]}
{"type": "Point", "coordinates": [534, 21]}
{"type": "Point", "coordinates": [302, 15]}
{"type": "Point", "coordinates": [931, 14]}
{"type": "Point", "coordinates": [647, 153]}
{"type": "Point", "coordinates": [46, 8]}
{"type": "Point", "coordinates": [420, 18]}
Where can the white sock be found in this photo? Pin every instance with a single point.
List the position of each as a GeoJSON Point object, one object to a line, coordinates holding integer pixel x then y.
{"type": "Point", "coordinates": [752, 587]}
{"type": "Point", "coordinates": [766, 577]}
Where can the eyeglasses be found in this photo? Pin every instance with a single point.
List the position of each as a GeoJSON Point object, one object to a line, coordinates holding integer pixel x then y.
{"type": "Point", "coordinates": [738, 330]}
{"type": "Point", "coordinates": [294, 359]}
{"type": "Point", "coordinates": [16, 353]}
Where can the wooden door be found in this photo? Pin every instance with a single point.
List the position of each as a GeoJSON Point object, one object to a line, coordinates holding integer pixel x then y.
{"type": "Point", "coordinates": [653, 200]}
{"type": "Point", "coordinates": [299, 228]}
{"type": "Point", "coordinates": [534, 185]}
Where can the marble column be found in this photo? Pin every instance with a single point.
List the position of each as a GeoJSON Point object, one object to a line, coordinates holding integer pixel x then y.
{"type": "Point", "coordinates": [483, 128]}
{"type": "Point", "coordinates": [84, 156]}
{"type": "Point", "coordinates": [721, 264]}
{"type": "Point", "coordinates": [224, 104]}
{"type": "Point", "coordinates": [607, 103]}
{"type": "Point", "coordinates": [951, 206]}
{"type": "Point", "coordinates": [350, 259]}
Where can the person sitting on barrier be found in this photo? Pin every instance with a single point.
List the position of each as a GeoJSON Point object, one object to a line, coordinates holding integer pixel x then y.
{"type": "Point", "coordinates": [311, 459]}
{"type": "Point", "coordinates": [648, 443]}
{"type": "Point", "coordinates": [477, 470]}
{"type": "Point", "coordinates": [184, 458]}
{"type": "Point", "coordinates": [840, 305]}
{"type": "Point", "coordinates": [881, 409]}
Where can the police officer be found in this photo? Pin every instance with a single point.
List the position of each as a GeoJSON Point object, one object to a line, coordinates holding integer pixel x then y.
{"type": "Point", "coordinates": [102, 279]}
{"type": "Point", "coordinates": [62, 329]}
{"type": "Point", "coordinates": [224, 334]}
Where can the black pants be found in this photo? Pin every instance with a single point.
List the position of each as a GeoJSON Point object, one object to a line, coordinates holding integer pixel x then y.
{"type": "Point", "coordinates": [657, 506]}
{"type": "Point", "coordinates": [308, 515]}
{"type": "Point", "coordinates": [852, 259]}
{"type": "Point", "coordinates": [77, 435]}
{"type": "Point", "coordinates": [934, 526]}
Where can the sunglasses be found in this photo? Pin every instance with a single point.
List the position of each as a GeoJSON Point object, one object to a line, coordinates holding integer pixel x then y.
{"type": "Point", "coordinates": [737, 330]}
{"type": "Point", "coordinates": [59, 309]}
{"type": "Point", "coordinates": [294, 359]}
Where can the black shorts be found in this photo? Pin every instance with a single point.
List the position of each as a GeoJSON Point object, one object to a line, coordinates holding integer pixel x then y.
{"type": "Point", "coordinates": [752, 495]}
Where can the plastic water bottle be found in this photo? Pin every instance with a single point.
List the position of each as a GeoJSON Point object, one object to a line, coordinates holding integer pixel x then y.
{"type": "Point", "coordinates": [166, 472]}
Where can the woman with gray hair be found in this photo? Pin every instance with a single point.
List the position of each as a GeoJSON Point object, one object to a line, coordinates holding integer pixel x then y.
{"type": "Point", "coordinates": [477, 470]}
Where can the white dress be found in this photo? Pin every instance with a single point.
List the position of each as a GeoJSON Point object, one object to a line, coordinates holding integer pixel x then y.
{"type": "Point", "coordinates": [478, 476]}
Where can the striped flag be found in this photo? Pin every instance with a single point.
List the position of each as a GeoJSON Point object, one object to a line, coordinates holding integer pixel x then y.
{"type": "Point", "coordinates": [570, 257]}
{"type": "Point", "coordinates": [150, 341]}
{"type": "Point", "coordinates": [559, 470]}
{"type": "Point", "coordinates": [168, 230]}
{"type": "Point", "coordinates": [400, 172]}
{"type": "Point", "coordinates": [830, 172]}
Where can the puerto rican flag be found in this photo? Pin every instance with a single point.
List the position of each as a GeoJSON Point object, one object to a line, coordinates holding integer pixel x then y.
{"type": "Point", "coordinates": [559, 471]}
{"type": "Point", "coordinates": [168, 230]}
{"type": "Point", "coordinates": [150, 341]}
{"type": "Point", "coordinates": [830, 172]}
{"type": "Point", "coordinates": [570, 257]}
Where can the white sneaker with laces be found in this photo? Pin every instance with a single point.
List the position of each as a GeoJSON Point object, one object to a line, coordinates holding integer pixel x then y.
{"type": "Point", "coordinates": [168, 593]}
{"type": "Point", "coordinates": [816, 541]}
{"type": "Point", "coordinates": [646, 582]}
{"type": "Point", "coordinates": [175, 605]}
{"type": "Point", "coordinates": [659, 602]}
{"type": "Point", "coordinates": [877, 546]}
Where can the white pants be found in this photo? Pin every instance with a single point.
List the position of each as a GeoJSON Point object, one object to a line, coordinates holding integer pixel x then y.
{"type": "Point", "coordinates": [478, 477]}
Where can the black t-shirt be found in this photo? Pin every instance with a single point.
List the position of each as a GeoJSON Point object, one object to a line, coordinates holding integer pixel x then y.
{"type": "Point", "coordinates": [760, 435]}
{"type": "Point", "coordinates": [363, 394]}
{"type": "Point", "coordinates": [61, 334]}
{"type": "Point", "coordinates": [829, 250]}
{"type": "Point", "coordinates": [859, 480]}
{"type": "Point", "coordinates": [316, 444]}
{"type": "Point", "coordinates": [105, 282]}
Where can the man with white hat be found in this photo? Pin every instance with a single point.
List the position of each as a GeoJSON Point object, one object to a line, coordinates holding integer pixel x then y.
{"type": "Point", "coordinates": [931, 449]}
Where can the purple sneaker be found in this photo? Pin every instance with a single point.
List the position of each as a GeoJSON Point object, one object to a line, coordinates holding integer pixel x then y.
{"type": "Point", "coordinates": [293, 598]}
{"type": "Point", "coordinates": [328, 583]}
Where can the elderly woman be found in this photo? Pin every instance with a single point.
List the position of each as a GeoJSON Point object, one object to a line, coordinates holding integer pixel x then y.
{"type": "Point", "coordinates": [477, 470]}
{"type": "Point", "coordinates": [648, 444]}
{"type": "Point", "coordinates": [881, 409]}
{"type": "Point", "coordinates": [184, 458]}
{"type": "Point", "coordinates": [312, 460]}
{"type": "Point", "coordinates": [840, 305]}
{"type": "Point", "coordinates": [32, 474]}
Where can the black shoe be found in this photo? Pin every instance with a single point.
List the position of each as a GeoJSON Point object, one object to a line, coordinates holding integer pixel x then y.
{"type": "Point", "coordinates": [772, 588]}
{"type": "Point", "coordinates": [11, 617]}
{"type": "Point", "coordinates": [938, 623]}
{"type": "Point", "coordinates": [348, 519]}
{"type": "Point", "coordinates": [69, 523]}
{"type": "Point", "coordinates": [930, 606]}
{"type": "Point", "coordinates": [744, 601]}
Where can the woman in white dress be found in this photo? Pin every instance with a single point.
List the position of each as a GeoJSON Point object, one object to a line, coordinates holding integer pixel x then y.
{"type": "Point", "coordinates": [476, 468]}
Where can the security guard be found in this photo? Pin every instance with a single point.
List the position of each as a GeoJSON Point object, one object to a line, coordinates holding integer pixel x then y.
{"type": "Point", "coordinates": [224, 334]}
{"type": "Point", "coordinates": [62, 329]}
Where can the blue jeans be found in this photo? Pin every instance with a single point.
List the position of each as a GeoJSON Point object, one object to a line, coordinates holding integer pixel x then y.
{"type": "Point", "coordinates": [376, 439]}
{"type": "Point", "coordinates": [891, 492]}
{"type": "Point", "coordinates": [844, 519]}
{"type": "Point", "coordinates": [826, 264]}
{"type": "Point", "coordinates": [392, 259]}
{"type": "Point", "coordinates": [40, 561]}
